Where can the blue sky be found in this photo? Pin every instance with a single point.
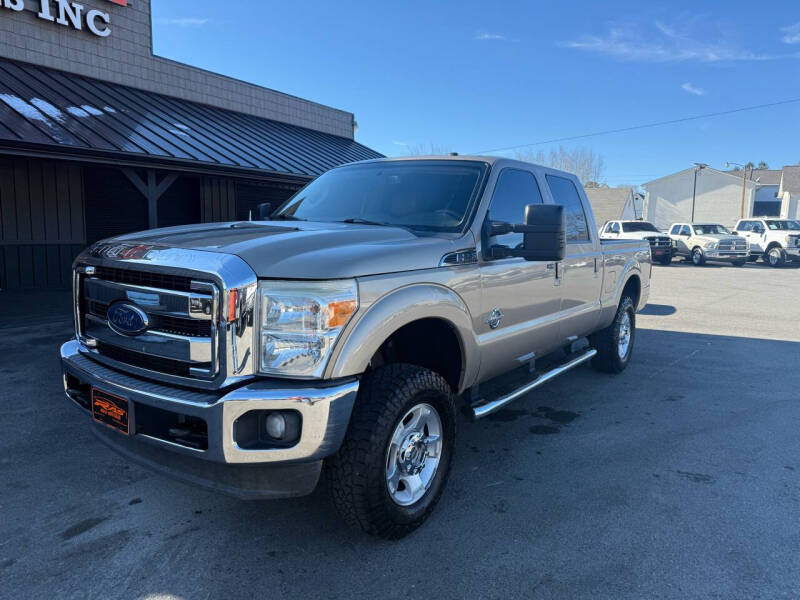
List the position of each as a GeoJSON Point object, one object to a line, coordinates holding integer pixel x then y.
{"type": "Point", "coordinates": [471, 76]}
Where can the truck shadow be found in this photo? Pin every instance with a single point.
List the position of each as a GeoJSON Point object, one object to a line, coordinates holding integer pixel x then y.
{"type": "Point", "coordinates": [658, 310]}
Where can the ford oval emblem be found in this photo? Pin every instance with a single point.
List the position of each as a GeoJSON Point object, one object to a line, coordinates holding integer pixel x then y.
{"type": "Point", "coordinates": [127, 319]}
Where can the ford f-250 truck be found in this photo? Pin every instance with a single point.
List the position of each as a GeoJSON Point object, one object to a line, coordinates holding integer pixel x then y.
{"type": "Point", "coordinates": [345, 329]}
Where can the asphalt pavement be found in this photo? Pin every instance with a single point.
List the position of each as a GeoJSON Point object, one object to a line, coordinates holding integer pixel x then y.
{"type": "Point", "coordinates": [679, 478]}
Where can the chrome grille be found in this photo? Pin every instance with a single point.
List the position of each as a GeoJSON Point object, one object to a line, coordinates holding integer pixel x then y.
{"type": "Point", "coordinates": [181, 336]}
{"type": "Point", "coordinates": [659, 242]}
{"type": "Point", "coordinates": [199, 307]}
{"type": "Point", "coordinates": [739, 245]}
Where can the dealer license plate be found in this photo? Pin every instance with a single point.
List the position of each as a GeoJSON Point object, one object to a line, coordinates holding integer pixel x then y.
{"type": "Point", "coordinates": [110, 410]}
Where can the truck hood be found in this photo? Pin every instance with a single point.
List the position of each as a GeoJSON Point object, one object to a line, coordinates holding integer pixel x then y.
{"type": "Point", "coordinates": [310, 250]}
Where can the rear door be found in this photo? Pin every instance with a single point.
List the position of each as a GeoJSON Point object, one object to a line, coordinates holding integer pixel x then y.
{"type": "Point", "coordinates": [580, 271]}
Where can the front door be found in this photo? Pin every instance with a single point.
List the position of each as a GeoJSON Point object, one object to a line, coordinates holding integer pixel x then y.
{"type": "Point", "coordinates": [581, 272]}
{"type": "Point", "coordinates": [521, 299]}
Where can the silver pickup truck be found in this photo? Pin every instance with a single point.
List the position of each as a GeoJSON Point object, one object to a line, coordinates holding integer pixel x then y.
{"type": "Point", "coordinates": [345, 328]}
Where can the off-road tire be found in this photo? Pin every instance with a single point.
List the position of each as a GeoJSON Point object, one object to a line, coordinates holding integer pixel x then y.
{"type": "Point", "coordinates": [665, 261]}
{"type": "Point", "coordinates": [739, 263]}
{"type": "Point", "coordinates": [697, 257]}
{"type": "Point", "coordinates": [357, 472]}
{"type": "Point", "coordinates": [606, 341]}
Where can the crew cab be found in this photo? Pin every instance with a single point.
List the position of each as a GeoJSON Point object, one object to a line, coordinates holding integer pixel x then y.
{"type": "Point", "coordinates": [776, 241]}
{"type": "Point", "coordinates": [701, 242]}
{"type": "Point", "coordinates": [344, 329]}
{"type": "Point", "coordinates": [660, 244]}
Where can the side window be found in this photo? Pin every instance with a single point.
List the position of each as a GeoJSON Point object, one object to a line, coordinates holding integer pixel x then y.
{"type": "Point", "coordinates": [515, 189]}
{"type": "Point", "coordinates": [566, 194]}
{"type": "Point", "coordinates": [685, 230]}
{"type": "Point", "coordinates": [615, 229]}
{"type": "Point", "coordinates": [610, 227]}
{"type": "Point", "coordinates": [744, 226]}
{"type": "Point", "coordinates": [675, 229]}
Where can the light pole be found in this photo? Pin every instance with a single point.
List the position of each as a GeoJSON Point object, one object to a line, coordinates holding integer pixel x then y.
{"type": "Point", "coordinates": [744, 177]}
{"type": "Point", "coordinates": [697, 167]}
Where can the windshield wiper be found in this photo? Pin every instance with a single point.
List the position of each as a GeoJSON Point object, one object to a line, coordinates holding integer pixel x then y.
{"type": "Point", "coordinates": [360, 221]}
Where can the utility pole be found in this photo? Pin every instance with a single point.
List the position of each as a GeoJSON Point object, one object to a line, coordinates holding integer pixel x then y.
{"type": "Point", "coordinates": [744, 181]}
{"type": "Point", "coordinates": [697, 167]}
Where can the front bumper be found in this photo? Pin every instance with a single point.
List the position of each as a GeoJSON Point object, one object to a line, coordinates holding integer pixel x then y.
{"type": "Point", "coordinates": [264, 472]}
{"type": "Point", "coordinates": [792, 253]}
{"type": "Point", "coordinates": [726, 255]}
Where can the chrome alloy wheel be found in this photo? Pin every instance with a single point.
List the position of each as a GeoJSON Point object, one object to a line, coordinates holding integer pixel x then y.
{"type": "Point", "coordinates": [413, 456]}
{"type": "Point", "coordinates": [774, 256]}
{"type": "Point", "coordinates": [624, 335]}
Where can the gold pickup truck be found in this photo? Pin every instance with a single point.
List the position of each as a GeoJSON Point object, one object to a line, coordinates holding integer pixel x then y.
{"type": "Point", "coordinates": [343, 329]}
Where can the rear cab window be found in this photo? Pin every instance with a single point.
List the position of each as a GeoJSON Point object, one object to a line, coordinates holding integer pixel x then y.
{"type": "Point", "coordinates": [566, 194]}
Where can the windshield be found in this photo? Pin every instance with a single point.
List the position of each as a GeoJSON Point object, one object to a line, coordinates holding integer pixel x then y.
{"type": "Point", "coordinates": [432, 195]}
{"type": "Point", "coordinates": [710, 229]}
{"type": "Point", "coordinates": [783, 225]}
{"type": "Point", "coordinates": [639, 226]}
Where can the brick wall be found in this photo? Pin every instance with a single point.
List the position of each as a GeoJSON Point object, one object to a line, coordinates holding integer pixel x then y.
{"type": "Point", "coordinates": [125, 57]}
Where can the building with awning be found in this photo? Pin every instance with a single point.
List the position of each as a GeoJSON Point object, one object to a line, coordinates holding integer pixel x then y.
{"type": "Point", "coordinates": [99, 137]}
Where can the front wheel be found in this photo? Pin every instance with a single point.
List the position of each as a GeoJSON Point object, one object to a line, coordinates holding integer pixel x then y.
{"type": "Point", "coordinates": [614, 344]}
{"type": "Point", "coordinates": [774, 257]}
{"type": "Point", "coordinates": [739, 263]}
{"type": "Point", "coordinates": [698, 258]}
{"type": "Point", "coordinates": [665, 260]}
{"type": "Point", "coordinates": [393, 464]}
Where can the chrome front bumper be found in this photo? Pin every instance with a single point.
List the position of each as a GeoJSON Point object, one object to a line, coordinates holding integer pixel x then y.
{"type": "Point", "coordinates": [324, 408]}
{"type": "Point", "coordinates": [726, 254]}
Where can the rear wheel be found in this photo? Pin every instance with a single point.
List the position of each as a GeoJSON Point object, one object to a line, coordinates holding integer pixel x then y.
{"type": "Point", "coordinates": [698, 258]}
{"type": "Point", "coordinates": [614, 344]}
{"type": "Point", "coordinates": [774, 257]}
{"type": "Point", "coordinates": [393, 465]}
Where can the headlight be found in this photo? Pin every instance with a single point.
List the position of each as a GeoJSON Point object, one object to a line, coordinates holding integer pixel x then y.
{"type": "Point", "coordinates": [300, 322]}
{"type": "Point", "coordinates": [711, 245]}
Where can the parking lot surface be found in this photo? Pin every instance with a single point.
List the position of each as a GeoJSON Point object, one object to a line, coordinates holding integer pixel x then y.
{"type": "Point", "coordinates": [679, 478]}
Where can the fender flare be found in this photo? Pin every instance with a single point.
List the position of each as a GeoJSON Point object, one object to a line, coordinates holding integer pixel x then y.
{"type": "Point", "coordinates": [396, 309]}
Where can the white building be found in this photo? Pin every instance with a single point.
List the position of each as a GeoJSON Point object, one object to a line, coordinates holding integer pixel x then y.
{"type": "Point", "coordinates": [706, 194]}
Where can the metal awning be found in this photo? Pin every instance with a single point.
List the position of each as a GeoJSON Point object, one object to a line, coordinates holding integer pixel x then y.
{"type": "Point", "coordinates": [57, 113]}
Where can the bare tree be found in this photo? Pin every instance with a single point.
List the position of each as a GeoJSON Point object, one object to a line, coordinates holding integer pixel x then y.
{"type": "Point", "coordinates": [429, 149]}
{"type": "Point", "coordinates": [587, 165]}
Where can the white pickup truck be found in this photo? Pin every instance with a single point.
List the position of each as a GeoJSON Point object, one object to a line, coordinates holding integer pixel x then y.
{"type": "Point", "coordinates": [660, 244]}
{"type": "Point", "coordinates": [776, 241]}
{"type": "Point", "coordinates": [701, 242]}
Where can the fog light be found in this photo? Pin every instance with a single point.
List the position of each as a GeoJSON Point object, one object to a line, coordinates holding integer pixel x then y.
{"type": "Point", "coordinates": [276, 426]}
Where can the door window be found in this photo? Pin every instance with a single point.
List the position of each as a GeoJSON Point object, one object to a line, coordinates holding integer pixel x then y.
{"type": "Point", "coordinates": [685, 230]}
{"type": "Point", "coordinates": [566, 194]}
{"type": "Point", "coordinates": [515, 189]}
{"type": "Point", "coordinates": [675, 230]}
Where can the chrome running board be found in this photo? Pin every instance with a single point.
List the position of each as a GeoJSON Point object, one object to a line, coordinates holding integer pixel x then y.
{"type": "Point", "coordinates": [486, 407]}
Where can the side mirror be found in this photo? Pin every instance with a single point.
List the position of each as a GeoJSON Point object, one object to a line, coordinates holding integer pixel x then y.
{"type": "Point", "coordinates": [544, 234]}
{"type": "Point", "coordinates": [263, 211]}
{"type": "Point", "coordinates": [545, 237]}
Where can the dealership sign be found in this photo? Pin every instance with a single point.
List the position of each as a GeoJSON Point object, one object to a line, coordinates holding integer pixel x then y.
{"type": "Point", "coordinates": [69, 14]}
